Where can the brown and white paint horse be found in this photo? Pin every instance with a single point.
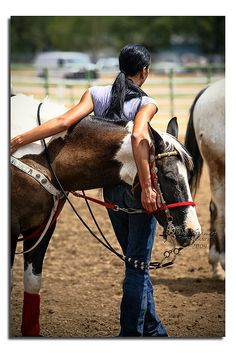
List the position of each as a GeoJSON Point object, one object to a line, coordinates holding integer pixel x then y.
{"type": "Point", "coordinates": [92, 154]}
{"type": "Point", "coordinates": [205, 140]}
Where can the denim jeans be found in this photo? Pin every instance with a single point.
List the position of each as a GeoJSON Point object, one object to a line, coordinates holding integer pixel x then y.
{"type": "Point", "coordinates": [135, 234]}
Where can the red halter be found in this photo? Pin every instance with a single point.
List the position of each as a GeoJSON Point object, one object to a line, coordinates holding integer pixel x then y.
{"type": "Point", "coordinates": [177, 204]}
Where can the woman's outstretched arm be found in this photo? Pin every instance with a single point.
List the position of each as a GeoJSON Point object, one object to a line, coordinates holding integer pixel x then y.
{"type": "Point", "coordinates": [141, 144]}
{"type": "Point", "coordinates": [55, 125]}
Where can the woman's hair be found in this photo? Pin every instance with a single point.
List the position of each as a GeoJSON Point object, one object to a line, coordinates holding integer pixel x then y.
{"type": "Point", "coordinates": [132, 59]}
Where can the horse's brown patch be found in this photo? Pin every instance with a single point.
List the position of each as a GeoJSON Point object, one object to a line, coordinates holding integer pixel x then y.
{"type": "Point", "coordinates": [83, 160]}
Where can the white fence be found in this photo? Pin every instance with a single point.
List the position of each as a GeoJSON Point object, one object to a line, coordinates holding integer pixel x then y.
{"type": "Point", "coordinates": [173, 92]}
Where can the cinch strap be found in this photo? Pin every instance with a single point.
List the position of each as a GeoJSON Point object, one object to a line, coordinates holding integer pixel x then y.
{"type": "Point", "coordinates": [38, 176]}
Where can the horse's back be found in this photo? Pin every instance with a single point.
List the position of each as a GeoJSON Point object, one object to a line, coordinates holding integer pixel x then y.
{"type": "Point", "coordinates": [209, 122]}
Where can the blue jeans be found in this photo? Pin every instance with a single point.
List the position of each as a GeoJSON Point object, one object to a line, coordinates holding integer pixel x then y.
{"type": "Point", "coordinates": [135, 234]}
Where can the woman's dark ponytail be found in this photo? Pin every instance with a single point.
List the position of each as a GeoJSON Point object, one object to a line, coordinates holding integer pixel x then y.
{"type": "Point", "coordinates": [118, 95]}
{"type": "Point", "coordinates": [131, 60]}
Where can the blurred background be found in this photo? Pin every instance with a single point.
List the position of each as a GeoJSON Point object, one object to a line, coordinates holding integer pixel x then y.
{"type": "Point", "coordinates": [60, 57]}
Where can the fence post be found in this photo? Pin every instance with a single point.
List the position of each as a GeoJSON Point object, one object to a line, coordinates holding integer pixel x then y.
{"type": "Point", "coordinates": [46, 84]}
{"type": "Point", "coordinates": [171, 87]}
{"type": "Point", "coordinates": [71, 94]}
{"type": "Point", "coordinates": [88, 77]}
{"type": "Point", "coordinates": [209, 73]}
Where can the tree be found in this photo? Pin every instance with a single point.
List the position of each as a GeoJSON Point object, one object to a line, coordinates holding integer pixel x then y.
{"type": "Point", "coordinates": [31, 34]}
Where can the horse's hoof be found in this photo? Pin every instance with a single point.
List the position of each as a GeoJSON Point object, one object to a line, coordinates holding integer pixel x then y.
{"type": "Point", "coordinates": [219, 274]}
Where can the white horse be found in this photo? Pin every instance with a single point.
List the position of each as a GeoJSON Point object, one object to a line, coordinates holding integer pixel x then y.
{"type": "Point", "coordinates": [205, 140]}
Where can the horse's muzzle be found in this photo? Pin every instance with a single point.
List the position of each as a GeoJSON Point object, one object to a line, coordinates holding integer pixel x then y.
{"type": "Point", "coordinates": [188, 237]}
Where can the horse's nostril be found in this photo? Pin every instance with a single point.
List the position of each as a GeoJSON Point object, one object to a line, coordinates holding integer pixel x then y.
{"type": "Point", "coordinates": [193, 234]}
{"type": "Point", "coordinates": [190, 233]}
{"type": "Point", "coordinates": [186, 237]}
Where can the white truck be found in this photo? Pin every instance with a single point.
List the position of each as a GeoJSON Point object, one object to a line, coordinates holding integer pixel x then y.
{"type": "Point", "coordinates": [60, 64]}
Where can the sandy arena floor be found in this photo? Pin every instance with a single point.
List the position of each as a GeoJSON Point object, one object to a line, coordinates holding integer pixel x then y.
{"type": "Point", "coordinates": [81, 285]}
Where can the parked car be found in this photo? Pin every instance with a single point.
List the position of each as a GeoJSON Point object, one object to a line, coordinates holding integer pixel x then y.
{"type": "Point", "coordinates": [164, 67]}
{"type": "Point", "coordinates": [65, 65]}
{"type": "Point", "coordinates": [108, 64]}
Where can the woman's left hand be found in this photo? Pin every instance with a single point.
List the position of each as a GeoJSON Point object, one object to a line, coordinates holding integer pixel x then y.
{"type": "Point", "coordinates": [150, 199]}
{"type": "Point", "coordinates": [15, 144]}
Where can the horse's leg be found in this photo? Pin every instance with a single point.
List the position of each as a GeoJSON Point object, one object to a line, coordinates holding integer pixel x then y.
{"type": "Point", "coordinates": [15, 231]}
{"type": "Point", "coordinates": [33, 264]}
{"type": "Point", "coordinates": [217, 235]}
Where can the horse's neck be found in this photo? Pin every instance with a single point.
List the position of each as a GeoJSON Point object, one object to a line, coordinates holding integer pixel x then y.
{"type": "Point", "coordinates": [94, 155]}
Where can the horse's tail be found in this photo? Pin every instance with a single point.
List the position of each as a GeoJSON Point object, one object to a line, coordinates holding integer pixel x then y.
{"type": "Point", "coordinates": [192, 147]}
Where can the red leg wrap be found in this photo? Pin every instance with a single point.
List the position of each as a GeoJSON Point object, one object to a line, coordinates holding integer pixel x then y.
{"type": "Point", "coordinates": [30, 317]}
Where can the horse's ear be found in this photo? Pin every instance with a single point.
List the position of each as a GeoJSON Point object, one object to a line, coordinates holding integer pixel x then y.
{"type": "Point", "coordinates": [156, 137]}
{"type": "Point", "coordinates": [173, 128]}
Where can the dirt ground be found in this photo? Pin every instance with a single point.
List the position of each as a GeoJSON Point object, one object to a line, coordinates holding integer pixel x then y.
{"type": "Point", "coordinates": [82, 282]}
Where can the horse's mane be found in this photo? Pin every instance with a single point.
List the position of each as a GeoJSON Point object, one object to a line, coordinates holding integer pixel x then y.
{"type": "Point", "coordinates": [171, 143]}
{"type": "Point", "coordinates": [100, 122]}
{"type": "Point", "coordinates": [110, 121]}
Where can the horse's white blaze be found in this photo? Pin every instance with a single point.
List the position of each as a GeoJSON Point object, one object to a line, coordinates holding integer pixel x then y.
{"type": "Point", "coordinates": [125, 157]}
{"type": "Point", "coordinates": [191, 220]}
{"type": "Point", "coordinates": [32, 282]}
{"type": "Point", "coordinates": [24, 118]}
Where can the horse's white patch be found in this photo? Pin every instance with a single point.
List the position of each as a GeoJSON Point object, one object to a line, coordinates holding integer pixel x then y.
{"type": "Point", "coordinates": [191, 220]}
{"type": "Point", "coordinates": [209, 127]}
{"type": "Point", "coordinates": [125, 157]}
{"type": "Point", "coordinates": [24, 118]}
{"type": "Point", "coordinates": [209, 121]}
{"type": "Point", "coordinates": [222, 260]}
{"type": "Point", "coordinates": [217, 261]}
{"type": "Point", "coordinates": [214, 255]}
{"type": "Point", "coordinates": [32, 283]}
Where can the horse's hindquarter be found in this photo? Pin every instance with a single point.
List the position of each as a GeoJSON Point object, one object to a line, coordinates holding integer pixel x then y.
{"type": "Point", "coordinates": [209, 125]}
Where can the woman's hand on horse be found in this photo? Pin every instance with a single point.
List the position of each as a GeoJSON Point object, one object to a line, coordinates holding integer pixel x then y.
{"type": "Point", "coordinates": [15, 143]}
{"type": "Point", "coordinates": [55, 125]}
{"type": "Point", "coordinates": [150, 199]}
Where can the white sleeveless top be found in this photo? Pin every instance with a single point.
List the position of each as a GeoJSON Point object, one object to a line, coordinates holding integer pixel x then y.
{"type": "Point", "coordinates": [101, 96]}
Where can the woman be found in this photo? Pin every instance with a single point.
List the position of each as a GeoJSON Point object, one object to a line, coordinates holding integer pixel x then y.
{"type": "Point", "coordinates": [135, 233]}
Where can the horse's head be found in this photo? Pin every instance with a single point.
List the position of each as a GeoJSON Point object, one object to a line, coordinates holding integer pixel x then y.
{"type": "Point", "coordinates": [180, 223]}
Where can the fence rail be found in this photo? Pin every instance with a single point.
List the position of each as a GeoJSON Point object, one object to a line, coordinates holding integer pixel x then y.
{"type": "Point", "coordinates": [173, 91]}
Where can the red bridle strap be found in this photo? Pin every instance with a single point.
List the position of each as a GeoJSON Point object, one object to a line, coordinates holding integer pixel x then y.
{"type": "Point", "coordinates": [177, 204]}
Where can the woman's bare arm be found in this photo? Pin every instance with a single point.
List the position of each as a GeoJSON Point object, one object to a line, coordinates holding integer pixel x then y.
{"type": "Point", "coordinates": [141, 143]}
{"type": "Point", "coordinates": [55, 125]}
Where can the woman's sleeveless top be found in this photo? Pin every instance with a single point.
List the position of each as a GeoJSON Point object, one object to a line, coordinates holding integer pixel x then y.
{"type": "Point", "coordinates": [101, 96]}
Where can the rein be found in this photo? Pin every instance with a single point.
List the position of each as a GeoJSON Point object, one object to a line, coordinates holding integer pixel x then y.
{"type": "Point", "coordinates": [115, 207]}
